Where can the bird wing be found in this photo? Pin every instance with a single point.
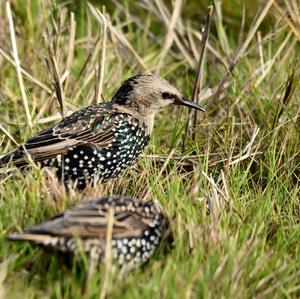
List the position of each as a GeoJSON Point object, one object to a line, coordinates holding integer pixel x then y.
{"type": "Point", "coordinates": [90, 220]}
{"type": "Point", "coordinates": [93, 124]}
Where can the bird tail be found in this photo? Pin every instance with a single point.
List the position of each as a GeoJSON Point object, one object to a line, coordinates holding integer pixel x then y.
{"type": "Point", "coordinates": [15, 158]}
{"type": "Point", "coordinates": [5, 159]}
{"type": "Point", "coordinates": [36, 238]}
{"type": "Point", "coordinates": [4, 162]}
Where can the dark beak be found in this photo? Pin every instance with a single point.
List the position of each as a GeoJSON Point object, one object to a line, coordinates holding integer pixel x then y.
{"type": "Point", "coordinates": [186, 102]}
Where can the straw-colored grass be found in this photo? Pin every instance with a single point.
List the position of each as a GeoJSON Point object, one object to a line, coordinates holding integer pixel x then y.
{"type": "Point", "coordinates": [243, 162]}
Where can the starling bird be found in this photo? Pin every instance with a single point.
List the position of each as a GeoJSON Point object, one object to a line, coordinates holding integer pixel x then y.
{"type": "Point", "coordinates": [137, 229]}
{"type": "Point", "coordinates": [100, 141]}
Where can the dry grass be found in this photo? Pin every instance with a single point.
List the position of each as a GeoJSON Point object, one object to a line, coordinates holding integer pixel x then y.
{"type": "Point", "coordinates": [243, 162]}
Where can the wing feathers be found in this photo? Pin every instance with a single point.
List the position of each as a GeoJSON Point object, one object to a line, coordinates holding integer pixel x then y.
{"type": "Point", "coordinates": [79, 128]}
{"type": "Point", "coordinates": [91, 223]}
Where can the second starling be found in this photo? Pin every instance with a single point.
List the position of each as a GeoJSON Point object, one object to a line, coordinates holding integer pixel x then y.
{"type": "Point", "coordinates": [137, 230]}
{"type": "Point", "coordinates": [100, 141]}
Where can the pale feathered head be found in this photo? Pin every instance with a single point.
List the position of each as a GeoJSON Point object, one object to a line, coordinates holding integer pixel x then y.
{"type": "Point", "coordinates": [149, 93]}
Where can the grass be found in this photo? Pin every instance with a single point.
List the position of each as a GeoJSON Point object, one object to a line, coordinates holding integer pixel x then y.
{"type": "Point", "coordinates": [244, 160]}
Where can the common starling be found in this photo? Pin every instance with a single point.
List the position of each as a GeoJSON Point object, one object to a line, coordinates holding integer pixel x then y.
{"type": "Point", "coordinates": [137, 230]}
{"type": "Point", "coordinates": [100, 141]}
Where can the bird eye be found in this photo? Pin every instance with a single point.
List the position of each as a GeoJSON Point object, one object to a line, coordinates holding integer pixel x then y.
{"type": "Point", "coordinates": [167, 95]}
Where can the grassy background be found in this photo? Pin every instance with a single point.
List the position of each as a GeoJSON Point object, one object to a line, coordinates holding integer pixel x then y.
{"type": "Point", "coordinates": [244, 161]}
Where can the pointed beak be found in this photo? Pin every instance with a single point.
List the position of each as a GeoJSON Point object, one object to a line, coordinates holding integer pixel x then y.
{"type": "Point", "coordinates": [186, 102]}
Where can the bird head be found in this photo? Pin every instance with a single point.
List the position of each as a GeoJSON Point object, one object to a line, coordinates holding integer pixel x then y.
{"type": "Point", "coordinates": [149, 93]}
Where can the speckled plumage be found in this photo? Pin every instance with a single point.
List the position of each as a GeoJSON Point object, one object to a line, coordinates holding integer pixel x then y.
{"type": "Point", "coordinates": [137, 229]}
{"type": "Point", "coordinates": [99, 142]}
